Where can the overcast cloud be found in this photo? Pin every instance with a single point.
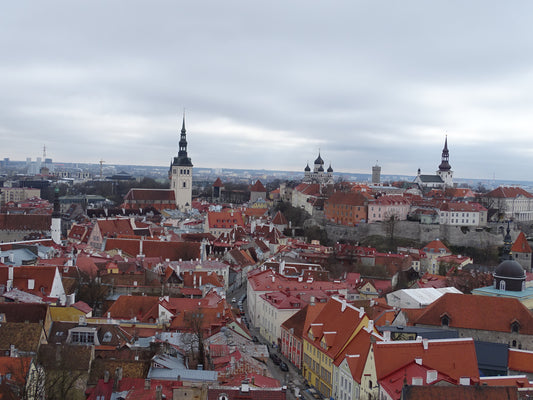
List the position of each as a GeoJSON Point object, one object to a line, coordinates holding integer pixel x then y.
{"type": "Point", "coordinates": [267, 84]}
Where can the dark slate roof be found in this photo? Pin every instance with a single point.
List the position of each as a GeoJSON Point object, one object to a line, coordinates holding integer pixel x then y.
{"type": "Point", "coordinates": [492, 356]}
{"type": "Point", "coordinates": [431, 178]}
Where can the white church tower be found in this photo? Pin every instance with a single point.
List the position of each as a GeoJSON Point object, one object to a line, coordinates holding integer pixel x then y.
{"type": "Point", "coordinates": [180, 174]}
{"type": "Point", "coordinates": [56, 220]}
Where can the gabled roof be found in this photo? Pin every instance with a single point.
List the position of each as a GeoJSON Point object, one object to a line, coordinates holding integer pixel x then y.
{"type": "Point", "coordinates": [151, 195]}
{"type": "Point", "coordinates": [453, 357]}
{"type": "Point", "coordinates": [430, 179]}
{"type": "Point", "coordinates": [115, 226]}
{"type": "Point", "coordinates": [279, 219]}
{"type": "Point", "coordinates": [24, 336]}
{"type": "Point", "coordinates": [218, 183]}
{"type": "Point", "coordinates": [521, 245]}
{"type": "Point", "coordinates": [470, 312]}
{"type": "Point", "coordinates": [352, 199]}
{"type": "Point", "coordinates": [25, 222]}
{"type": "Point", "coordinates": [508, 192]}
{"type": "Point", "coordinates": [31, 279]}
{"type": "Point", "coordinates": [257, 187]}
{"type": "Point", "coordinates": [22, 312]}
{"type": "Point", "coordinates": [337, 316]}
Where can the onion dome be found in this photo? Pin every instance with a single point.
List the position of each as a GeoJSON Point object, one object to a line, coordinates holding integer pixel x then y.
{"type": "Point", "coordinates": [330, 169]}
{"type": "Point", "coordinates": [319, 160]}
{"type": "Point", "coordinates": [307, 169]}
{"type": "Point", "coordinates": [321, 169]}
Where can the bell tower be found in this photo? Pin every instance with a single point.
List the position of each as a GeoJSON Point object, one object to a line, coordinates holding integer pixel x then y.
{"type": "Point", "coordinates": [445, 169]}
{"type": "Point", "coordinates": [180, 174]}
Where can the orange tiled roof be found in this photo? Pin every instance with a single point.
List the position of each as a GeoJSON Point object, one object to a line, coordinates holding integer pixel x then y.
{"type": "Point", "coordinates": [508, 192]}
{"type": "Point", "coordinates": [520, 360]}
{"type": "Point", "coordinates": [453, 357]}
{"type": "Point", "coordinates": [224, 219]}
{"type": "Point", "coordinates": [521, 245]}
{"type": "Point", "coordinates": [470, 312]}
{"type": "Point", "coordinates": [257, 187]}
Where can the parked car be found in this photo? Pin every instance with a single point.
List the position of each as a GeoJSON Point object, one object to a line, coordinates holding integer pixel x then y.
{"type": "Point", "coordinates": [275, 359]}
{"type": "Point", "coordinates": [283, 366]}
{"type": "Point", "coordinates": [234, 300]}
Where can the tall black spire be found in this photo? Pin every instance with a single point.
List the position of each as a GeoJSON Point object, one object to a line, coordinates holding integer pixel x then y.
{"type": "Point", "coordinates": [445, 165]}
{"type": "Point", "coordinates": [182, 159]}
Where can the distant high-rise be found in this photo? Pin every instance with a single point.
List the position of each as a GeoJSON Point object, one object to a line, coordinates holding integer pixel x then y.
{"type": "Point", "coordinates": [376, 174]}
{"type": "Point", "coordinates": [180, 174]}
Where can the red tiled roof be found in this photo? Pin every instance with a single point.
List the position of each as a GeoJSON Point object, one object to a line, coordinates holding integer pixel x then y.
{"type": "Point", "coordinates": [224, 219]}
{"type": "Point", "coordinates": [155, 248]}
{"type": "Point", "coordinates": [470, 312]}
{"type": "Point", "coordinates": [508, 192]}
{"type": "Point", "coordinates": [453, 357]}
{"type": "Point", "coordinates": [257, 187]}
{"type": "Point", "coordinates": [25, 222]}
{"type": "Point", "coordinates": [436, 245]}
{"type": "Point", "coordinates": [218, 183]}
{"type": "Point", "coordinates": [310, 189]}
{"type": "Point", "coordinates": [115, 226]}
{"type": "Point", "coordinates": [42, 276]}
{"type": "Point", "coordinates": [521, 245]}
{"type": "Point", "coordinates": [465, 207]}
{"type": "Point", "coordinates": [353, 199]}
{"type": "Point", "coordinates": [279, 219]}
{"type": "Point", "coordinates": [151, 195]}
{"type": "Point", "coordinates": [520, 360]}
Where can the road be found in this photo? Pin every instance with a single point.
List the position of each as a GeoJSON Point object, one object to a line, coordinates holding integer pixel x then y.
{"type": "Point", "coordinates": [292, 379]}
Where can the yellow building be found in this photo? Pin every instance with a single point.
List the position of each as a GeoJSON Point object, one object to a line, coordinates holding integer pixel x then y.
{"type": "Point", "coordinates": [327, 337]}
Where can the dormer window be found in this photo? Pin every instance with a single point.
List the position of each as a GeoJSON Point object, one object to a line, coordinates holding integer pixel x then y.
{"type": "Point", "coordinates": [107, 337]}
{"type": "Point", "coordinates": [445, 320]}
{"type": "Point", "coordinates": [515, 327]}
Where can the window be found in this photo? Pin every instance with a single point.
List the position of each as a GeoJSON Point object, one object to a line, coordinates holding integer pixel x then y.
{"type": "Point", "coordinates": [502, 285]}
{"type": "Point", "coordinates": [107, 337]}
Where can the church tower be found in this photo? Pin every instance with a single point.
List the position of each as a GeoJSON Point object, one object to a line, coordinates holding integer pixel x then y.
{"type": "Point", "coordinates": [56, 219]}
{"type": "Point", "coordinates": [181, 174]}
{"type": "Point", "coordinates": [445, 169]}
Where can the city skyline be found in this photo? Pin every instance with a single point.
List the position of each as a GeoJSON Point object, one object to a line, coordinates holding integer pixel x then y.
{"type": "Point", "coordinates": [268, 86]}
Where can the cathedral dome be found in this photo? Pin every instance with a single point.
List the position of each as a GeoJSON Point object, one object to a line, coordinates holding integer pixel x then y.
{"type": "Point", "coordinates": [330, 169]}
{"type": "Point", "coordinates": [307, 169]}
{"type": "Point", "coordinates": [510, 269]}
{"type": "Point", "coordinates": [321, 169]}
{"type": "Point", "coordinates": [509, 275]}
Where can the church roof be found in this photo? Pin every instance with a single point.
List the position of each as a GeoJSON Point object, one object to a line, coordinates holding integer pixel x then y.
{"type": "Point", "coordinates": [430, 178]}
{"type": "Point", "coordinates": [319, 160]}
{"type": "Point", "coordinates": [218, 183]}
{"type": "Point", "coordinates": [521, 245]}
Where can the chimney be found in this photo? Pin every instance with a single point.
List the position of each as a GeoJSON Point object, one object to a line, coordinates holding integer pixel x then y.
{"type": "Point", "coordinates": [343, 305]}
{"type": "Point", "coordinates": [147, 384]}
{"type": "Point", "coordinates": [312, 300]}
{"type": "Point", "coordinates": [159, 392]}
{"type": "Point", "coordinates": [418, 361]}
{"type": "Point", "coordinates": [386, 336]}
{"type": "Point", "coordinates": [10, 272]}
{"type": "Point", "coordinates": [11, 257]}
{"type": "Point", "coordinates": [464, 381]}
{"type": "Point", "coordinates": [425, 343]}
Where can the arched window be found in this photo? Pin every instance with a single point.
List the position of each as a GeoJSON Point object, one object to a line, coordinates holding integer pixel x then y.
{"type": "Point", "coordinates": [502, 285]}
{"type": "Point", "coordinates": [445, 320]}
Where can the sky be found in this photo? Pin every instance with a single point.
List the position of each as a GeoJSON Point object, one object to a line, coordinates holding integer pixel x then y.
{"type": "Point", "coordinates": [269, 84]}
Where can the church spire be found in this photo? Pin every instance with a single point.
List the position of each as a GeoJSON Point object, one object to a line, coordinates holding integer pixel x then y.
{"type": "Point", "coordinates": [182, 158]}
{"type": "Point", "coordinates": [445, 165]}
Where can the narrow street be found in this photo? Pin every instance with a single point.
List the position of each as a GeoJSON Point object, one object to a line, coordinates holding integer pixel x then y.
{"type": "Point", "coordinates": [292, 379]}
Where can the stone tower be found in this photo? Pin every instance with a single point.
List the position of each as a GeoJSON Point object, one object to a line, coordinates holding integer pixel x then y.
{"type": "Point", "coordinates": [180, 174]}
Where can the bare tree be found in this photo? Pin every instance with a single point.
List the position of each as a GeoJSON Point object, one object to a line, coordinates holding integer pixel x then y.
{"type": "Point", "coordinates": [194, 321]}
{"type": "Point", "coordinates": [390, 224]}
